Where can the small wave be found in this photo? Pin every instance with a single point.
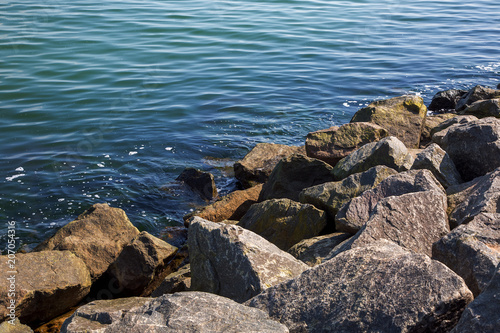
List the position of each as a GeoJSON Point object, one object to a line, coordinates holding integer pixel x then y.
{"type": "Point", "coordinates": [11, 178]}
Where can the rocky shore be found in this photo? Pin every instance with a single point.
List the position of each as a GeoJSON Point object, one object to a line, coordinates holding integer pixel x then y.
{"type": "Point", "coordinates": [390, 223]}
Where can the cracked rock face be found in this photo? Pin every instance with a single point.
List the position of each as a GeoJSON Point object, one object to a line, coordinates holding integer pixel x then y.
{"type": "Point", "coordinates": [378, 288]}
{"type": "Point", "coordinates": [231, 261]}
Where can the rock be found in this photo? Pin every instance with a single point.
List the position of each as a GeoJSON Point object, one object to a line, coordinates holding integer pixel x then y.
{"type": "Point", "coordinates": [378, 288]}
{"type": "Point", "coordinates": [55, 278]}
{"type": "Point", "coordinates": [480, 196]}
{"type": "Point", "coordinates": [312, 251]}
{"type": "Point", "coordinates": [432, 122]}
{"type": "Point", "coordinates": [444, 127]}
{"type": "Point", "coordinates": [389, 152]}
{"type": "Point", "coordinates": [180, 312]}
{"type": "Point", "coordinates": [175, 236]}
{"type": "Point", "coordinates": [355, 213]}
{"type": "Point", "coordinates": [258, 164]}
{"type": "Point", "coordinates": [142, 265]}
{"type": "Point", "coordinates": [230, 261]}
{"type": "Point", "coordinates": [200, 182]}
{"type": "Point", "coordinates": [402, 116]}
{"type": "Point", "coordinates": [14, 326]}
{"type": "Point", "coordinates": [436, 160]}
{"type": "Point", "coordinates": [484, 108]}
{"type": "Point", "coordinates": [230, 207]}
{"type": "Point", "coordinates": [175, 282]}
{"type": "Point", "coordinates": [332, 195]}
{"type": "Point", "coordinates": [54, 325]}
{"type": "Point", "coordinates": [284, 222]}
{"type": "Point", "coordinates": [476, 94]}
{"type": "Point", "coordinates": [446, 100]}
{"type": "Point", "coordinates": [481, 316]}
{"type": "Point", "coordinates": [413, 221]}
{"type": "Point", "coordinates": [472, 250]}
{"type": "Point", "coordinates": [332, 144]}
{"type": "Point", "coordinates": [292, 174]}
{"type": "Point", "coordinates": [474, 147]}
{"type": "Point", "coordinates": [97, 237]}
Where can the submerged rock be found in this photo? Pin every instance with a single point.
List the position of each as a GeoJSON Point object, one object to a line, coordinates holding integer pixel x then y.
{"type": "Point", "coordinates": [402, 116]}
{"type": "Point", "coordinates": [200, 182]}
{"type": "Point", "coordinates": [446, 100]}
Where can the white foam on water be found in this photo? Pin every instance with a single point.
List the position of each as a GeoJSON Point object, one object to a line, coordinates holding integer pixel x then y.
{"type": "Point", "coordinates": [11, 178]}
{"type": "Point", "coordinates": [132, 152]}
{"type": "Point", "coordinates": [21, 169]}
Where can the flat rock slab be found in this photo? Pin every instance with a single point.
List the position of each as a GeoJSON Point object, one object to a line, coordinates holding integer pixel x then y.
{"type": "Point", "coordinates": [333, 144]}
{"type": "Point", "coordinates": [230, 261]}
{"type": "Point", "coordinates": [472, 250]}
{"type": "Point", "coordinates": [312, 251]}
{"type": "Point", "coordinates": [284, 222]}
{"type": "Point", "coordinates": [414, 221]}
{"type": "Point", "coordinates": [389, 151]}
{"type": "Point", "coordinates": [402, 116]}
{"type": "Point", "coordinates": [179, 312]}
{"type": "Point", "coordinates": [97, 237]}
{"type": "Point", "coordinates": [258, 164]}
{"type": "Point", "coordinates": [56, 279]}
{"type": "Point", "coordinates": [378, 288]}
{"type": "Point", "coordinates": [355, 213]}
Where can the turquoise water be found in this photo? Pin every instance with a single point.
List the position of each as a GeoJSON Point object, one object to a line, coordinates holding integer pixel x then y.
{"type": "Point", "coordinates": [109, 101]}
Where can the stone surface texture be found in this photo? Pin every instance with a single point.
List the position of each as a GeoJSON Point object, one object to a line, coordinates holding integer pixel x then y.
{"type": "Point", "coordinates": [230, 261]}
{"type": "Point", "coordinates": [14, 327]}
{"type": "Point", "coordinates": [485, 108]}
{"type": "Point", "coordinates": [378, 288]}
{"type": "Point", "coordinates": [403, 117]}
{"type": "Point", "coordinates": [200, 182]}
{"type": "Point", "coordinates": [177, 281]}
{"type": "Point", "coordinates": [476, 94]}
{"type": "Point", "coordinates": [446, 100]}
{"type": "Point", "coordinates": [312, 251]}
{"type": "Point", "coordinates": [432, 122]}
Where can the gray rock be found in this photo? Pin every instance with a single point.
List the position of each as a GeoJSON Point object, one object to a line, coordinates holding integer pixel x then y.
{"type": "Point", "coordinates": [389, 152]}
{"type": "Point", "coordinates": [230, 261]}
{"type": "Point", "coordinates": [14, 326]}
{"type": "Point", "coordinates": [179, 312]}
{"type": "Point", "coordinates": [482, 196]}
{"type": "Point", "coordinates": [378, 288]}
{"type": "Point", "coordinates": [355, 213]}
{"type": "Point", "coordinates": [446, 100]}
{"type": "Point", "coordinates": [481, 316]}
{"type": "Point", "coordinates": [332, 144]}
{"type": "Point", "coordinates": [485, 108]}
{"type": "Point", "coordinates": [142, 265]}
{"type": "Point", "coordinates": [258, 164]}
{"type": "Point", "coordinates": [414, 221]}
{"type": "Point", "coordinates": [312, 251]}
{"type": "Point", "coordinates": [332, 195]}
{"type": "Point", "coordinates": [436, 160]}
{"type": "Point", "coordinates": [474, 147]}
{"type": "Point", "coordinates": [432, 122]}
{"type": "Point", "coordinates": [294, 173]}
{"type": "Point", "coordinates": [472, 250]}
{"type": "Point", "coordinates": [284, 222]}
{"type": "Point", "coordinates": [201, 182]}
{"type": "Point", "coordinates": [446, 125]}
{"type": "Point", "coordinates": [175, 282]}
{"type": "Point", "coordinates": [57, 279]}
{"type": "Point", "coordinates": [476, 94]}
{"type": "Point", "coordinates": [97, 237]}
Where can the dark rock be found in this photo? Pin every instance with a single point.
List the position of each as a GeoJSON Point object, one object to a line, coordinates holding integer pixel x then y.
{"type": "Point", "coordinates": [402, 116]}
{"type": "Point", "coordinates": [258, 164]}
{"type": "Point", "coordinates": [436, 160]}
{"type": "Point", "coordinates": [481, 316]}
{"type": "Point", "coordinates": [175, 236]}
{"type": "Point", "coordinates": [175, 282]}
{"type": "Point", "coordinates": [474, 147]}
{"type": "Point", "coordinates": [14, 326]}
{"type": "Point", "coordinates": [56, 279]}
{"type": "Point", "coordinates": [432, 122]}
{"type": "Point", "coordinates": [332, 144]}
{"type": "Point", "coordinates": [230, 261]}
{"type": "Point", "coordinates": [97, 237]}
{"type": "Point", "coordinates": [446, 100]}
{"type": "Point", "coordinates": [472, 250]}
{"type": "Point", "coordinates": [230, 207]}
{"type": "Point", "coordinates": [443, 127]}
{"type": "Point", "coordinates": [142, 265]}
{"type": "Point", "coordinates": [284, 222]}
{"type": "Point", "coordinates": [482, 109]}
{"type": "Point", "coordinates": [332, 195]}
{"type": "Point", "coordinates": [294, 173]}
{"type": "Point", "coordinates": [414, 221]}
{"type": "Point", "coordinates": [476, 94]}
{"type": "Point", "coordinates": [355, 213]}
{"type": "Point", "coordinates": [312, 251]}
{"type": "Point", "coordinates": [200, 182]}
{"type": "Point", "coordinates": [389, 152]}
{"type": "Point", "coordinates": [378, 288]}
{"type": "Point", "coordinates": [181, 312]}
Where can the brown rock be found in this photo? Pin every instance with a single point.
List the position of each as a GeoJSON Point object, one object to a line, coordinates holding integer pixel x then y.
{"type": "Point", "coordinates": [431, 122]}
{"type": "Point", "coordinates": [175, 236]}
{"type": "Point", "coordinates": [175, 282]}
{"type": "Point", "coordinates": [312, 251]}
{"type": "Point", "coordinates": [14, 326]}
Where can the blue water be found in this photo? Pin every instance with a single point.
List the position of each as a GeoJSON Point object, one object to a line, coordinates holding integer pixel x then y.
{"type": "Point", "coordinates": [109, 101]}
